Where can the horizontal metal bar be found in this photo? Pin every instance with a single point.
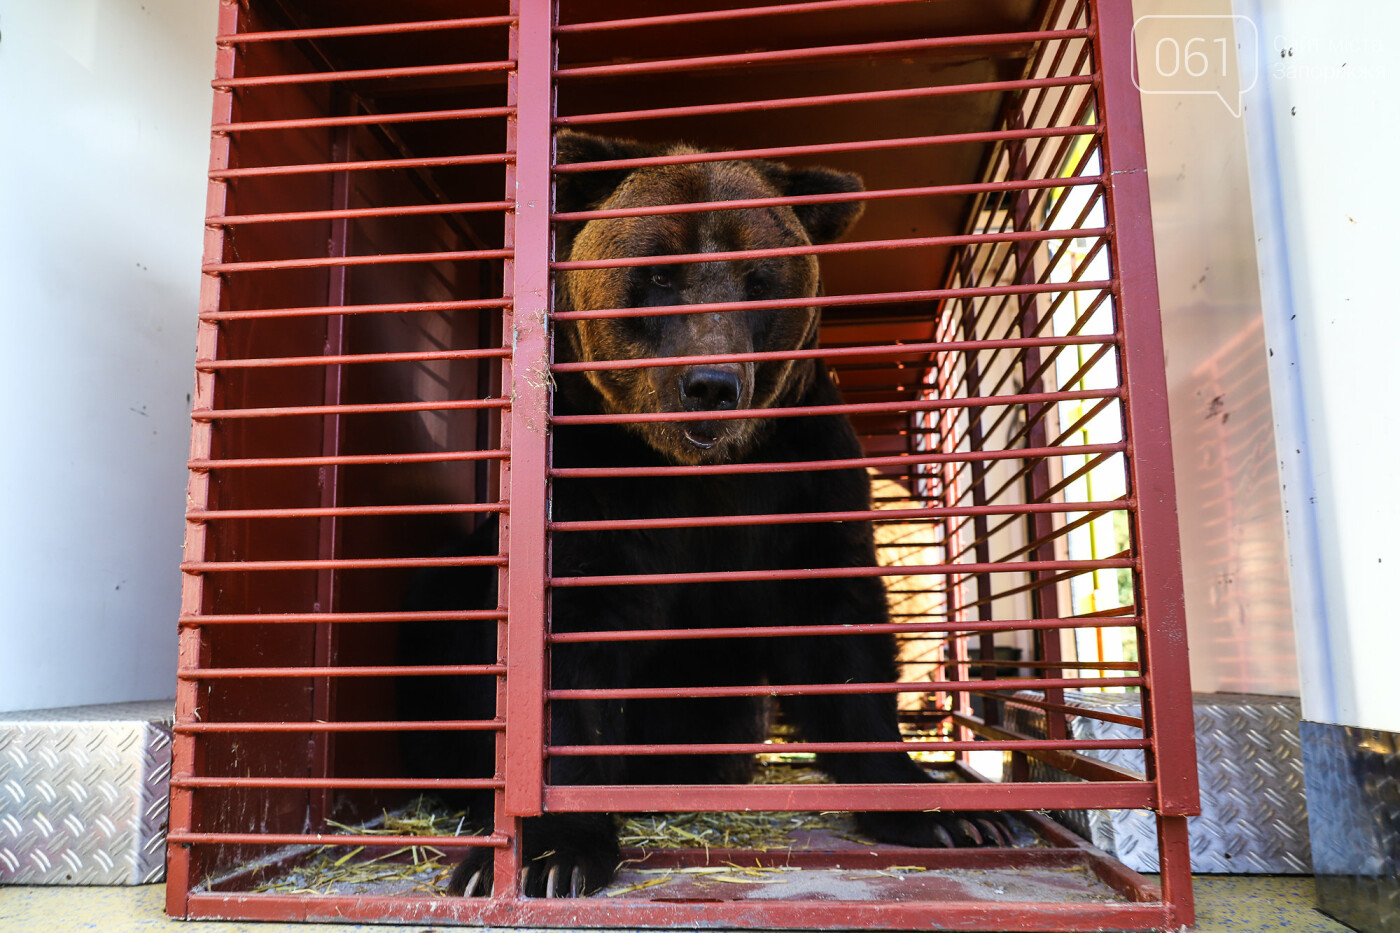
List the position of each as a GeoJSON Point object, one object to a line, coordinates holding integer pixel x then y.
{"type": "Point", "coordinates": [861, 50]}
{"type": "Point", "coordinates": [840, 197]}
{"type": "Point", "coordinates": [837, 353]}
{"type": "Point", "coordinates": [276, 362]}
{"type": "Point", "coordinates": [353, 213]}
{"type": "Point", "coordinates": [330, 839]}
{"type": "Point", "coordinates": [828, 748]}
{"type": "Point", "coordinates": [1072, 567]}
{"type": "Point", "coordinates": [347, 563]}
{"type": "Point", "coordinates": [463, 725]}
{"type": "Point", "coordinates": [399, 307]}
{"type": "Point", "coordinates": [808, 466]}
{"type": "Point", "coordinates": [878, 515]}
{"type": "Point", "coordinates": [365, 119]}
{"type": "Point", "coordinates": [205, 414]}
{"type": "Point", "coordinates": [341, 783]}
{"type": "Point", "coordinates": [1046, 665]}
{"type": "Point", "coordinates": [643, 912]}
{"type": "Point", "coordinates": [1087, 713]}
{"type": "Point", "coordinates": [725, 15]}
{"type": "Point", "coordinates": [1128, 795]}
{"type": "Point", "coordinates": [324, 77]}
{"type": "Point", "coordinates": [369, 165]}
{"type": "Point", "coordinates": [341, 618]}
{"type": "Point", "coordinates": [821, 249]}
{"type": "Point", "coordinates": [386, 670]}
{"type": "Point", "coordinates": [449, 456]}
{"type": "Point", "coordinates": [859, 299]}
{"type": "Point", "coordinates": [342, 511]}
{"type": "Point", "coordinates": [857, 408]}
{"type": "Point", "coordinates": [782, 690]}
{"type": "Point", "coordinates": [823, 100]}
{"type": "Point", "coordinates": [864, 145]}
{"type": "Point", "coordinates": [326, 262]}
{"type": "Point", "coordinates": [803, 631]}
{"type": "Point", "coordinates": [375, 29]}
{"type": "Point", "coordinates": [1081, 766]}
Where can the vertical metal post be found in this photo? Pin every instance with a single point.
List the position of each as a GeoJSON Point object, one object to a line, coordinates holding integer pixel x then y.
{"type": "Point", "coordinates": [1045, 602]}
{"type": "Point", "coordinates": [328, 531]}
{"type": "Point", "coordinates": [186, 753]}
{"type": "Point", "coordinates": [982, 552]}
{"type": "Point", "coordinates": [1167, 710]}
{"type": "Point", "coordinates": [526, 679]}
{"type": "Point", "coordinates": [1174, 857]}
{"type": "Point", "coordinates": [947, 387]}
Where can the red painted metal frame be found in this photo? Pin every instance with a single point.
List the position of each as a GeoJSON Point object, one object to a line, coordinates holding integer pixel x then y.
{"type": "Point", "coordinates": [1168, 708]}
{"type": "Point", "coordinates": [951, 384]}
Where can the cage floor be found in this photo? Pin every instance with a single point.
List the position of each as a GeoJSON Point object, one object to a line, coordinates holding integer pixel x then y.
{"type": "Point", "coordinates": [787, 856]}
{"type": "Point", "coordinates": [1225, 904]}
{"type": "Point", "coordinates": [834, 869]}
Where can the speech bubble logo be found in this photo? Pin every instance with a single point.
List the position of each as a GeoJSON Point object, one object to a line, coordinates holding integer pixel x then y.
{"type": "Point", "coordinates": [1182, 53]}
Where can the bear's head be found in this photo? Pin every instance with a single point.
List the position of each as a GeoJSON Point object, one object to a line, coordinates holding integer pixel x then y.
{"type": "Point", "coordinates": [714, 386]}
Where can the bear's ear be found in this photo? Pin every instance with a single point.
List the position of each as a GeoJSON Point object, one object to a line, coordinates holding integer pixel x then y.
{"type": "Point", "coordinates": [824, 222]}
{"type": "Point", "coordinates": [581, 191]}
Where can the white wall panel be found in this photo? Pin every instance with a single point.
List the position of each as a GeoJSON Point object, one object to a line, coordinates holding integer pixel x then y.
{"type": "Point", "coordinates": [104, 112]}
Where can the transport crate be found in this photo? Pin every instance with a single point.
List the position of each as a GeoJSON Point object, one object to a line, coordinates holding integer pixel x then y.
{"type": "Point", "coordinates": [376, 377]}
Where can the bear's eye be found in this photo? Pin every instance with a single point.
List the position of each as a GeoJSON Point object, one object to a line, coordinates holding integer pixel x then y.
{"type": "Point", "coordinates": [661, 280]}
{"type": "Point", "coordinates": [757, 288]}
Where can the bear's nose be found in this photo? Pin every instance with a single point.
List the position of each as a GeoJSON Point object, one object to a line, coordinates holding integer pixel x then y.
{"type": "Point", "coordinates": [708, 388]}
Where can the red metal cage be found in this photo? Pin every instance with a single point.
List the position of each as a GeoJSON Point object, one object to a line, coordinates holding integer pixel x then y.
{"type": "Point", "coordinates": [373, 377]}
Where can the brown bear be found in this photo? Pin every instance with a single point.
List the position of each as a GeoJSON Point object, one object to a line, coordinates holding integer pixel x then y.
{"type": "Point", "coordinates": [574, 854]}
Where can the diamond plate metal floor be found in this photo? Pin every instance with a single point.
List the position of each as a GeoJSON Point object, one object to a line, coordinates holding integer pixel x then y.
{"type": "Point", "coordinates": [1226, 904]}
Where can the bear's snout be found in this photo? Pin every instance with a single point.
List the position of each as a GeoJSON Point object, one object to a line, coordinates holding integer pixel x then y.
{"type": "Point", "coordinates": [709, 388]}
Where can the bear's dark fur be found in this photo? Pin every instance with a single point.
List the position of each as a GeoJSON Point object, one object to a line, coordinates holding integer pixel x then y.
{"type": "Point", "coordinates": [577, 853]}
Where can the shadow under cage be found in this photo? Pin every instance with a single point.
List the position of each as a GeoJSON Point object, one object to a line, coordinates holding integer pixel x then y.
{"type": "Point", "coordinates": [376, 380]}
